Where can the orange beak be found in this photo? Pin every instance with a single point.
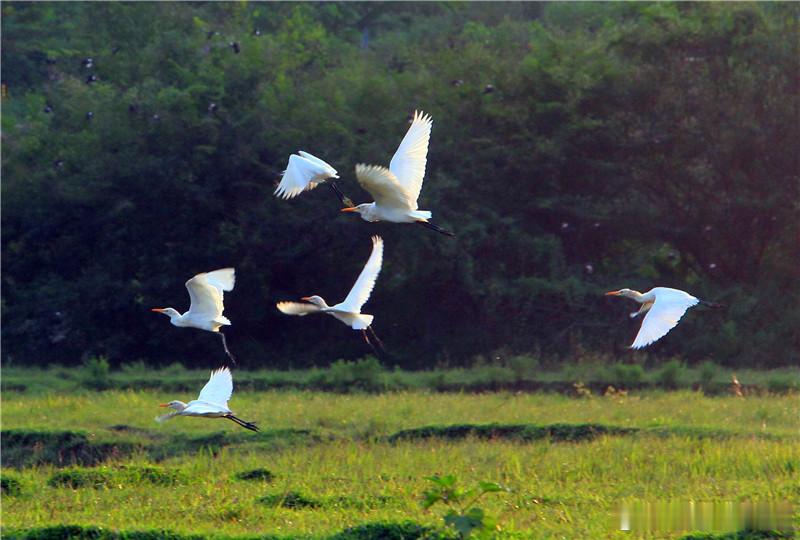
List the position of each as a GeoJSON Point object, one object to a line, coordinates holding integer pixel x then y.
{"type": "Point", "coordinates": [351, 209]}
{"type": "Point", "coordinates": [613, 293]}
{"type": "Point", "coordinates": [306, 298]}
{"type": "Point", "coordinates": [158, 309]}
{"type": "Point", "coordinates": [163, 404]}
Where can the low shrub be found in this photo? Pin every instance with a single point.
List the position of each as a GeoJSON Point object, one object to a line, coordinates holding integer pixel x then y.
{"type": "Point", "coordinates": [75, 478]}
{"type": "Point", "coordinates": [707, 370]}
{"type": "Point", "coordinates": [627, 375]}
{"type": "Point", "coordinates": [524, 367]}
{"type": "Point", "coordinates": [406, 530]}
{"type": "Point", "coordinates": [289, 499]}
{"type": "Point", "coordinates": [519, 432]}
{"type": "Point", "coordinates": [670, 373]}
{"type": "Point", "coordinates": [262, 475]}
{"type": "Point", "coordinates": [363, 374]}
{"type": "Point", "coordinates": [96, 373]}
{"type": "Point", "coordinates": [780, 385]}
{"type": "Point", "coordinates": [23, 448]}
{"type": "Point", "coordinates": [78, 478]}
{"type": "Point", "coordinates": [10, 485]}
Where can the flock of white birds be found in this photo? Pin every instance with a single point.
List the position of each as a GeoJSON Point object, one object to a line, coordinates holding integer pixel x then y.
{"type": "Point", "coordinates": [395, 191]}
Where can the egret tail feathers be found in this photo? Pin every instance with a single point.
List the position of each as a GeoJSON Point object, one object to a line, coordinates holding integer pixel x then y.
{"type": "Point", "coordinates": [362, 322]}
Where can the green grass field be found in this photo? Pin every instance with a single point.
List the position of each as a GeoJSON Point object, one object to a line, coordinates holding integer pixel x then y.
{"type": "Point", "coordinates": [333, 456]}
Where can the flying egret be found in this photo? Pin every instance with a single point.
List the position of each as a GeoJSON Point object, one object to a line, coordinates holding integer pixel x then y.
{"type": "Point", "coordinates": [397, 188]}
{"type": "Point", "coordinates": [305, 172]}
{"type": "Point", "coordinates": [211, 403]}
{"type": "Point", "coordinates": [663, 308]}
{"type": "Point", "coordinates": [348, 311]}
{"type": "Point", "coordinates": [205, 310]}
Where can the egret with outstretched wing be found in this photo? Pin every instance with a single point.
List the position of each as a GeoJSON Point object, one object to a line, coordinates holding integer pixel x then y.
{"type": "Point", "coordinates": [205, 311]}
{"type": "Point", "coordinates": [305, 172]}
{"type": "Point", "coordinates": [397, 188]}
{"type": "Point", "coordinates": [349, 310]}
{"type": "Point", "coordinates": [211, 403]}
{"type": "Point", "coordinates": [662, 307]}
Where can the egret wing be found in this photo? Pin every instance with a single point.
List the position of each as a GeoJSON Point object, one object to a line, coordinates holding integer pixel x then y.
{"type": "Point", "coordinates": [223, 279]}
{"type": "Point", "coordinates": [382, 184]}
{"type": "Point", "coordinates": [206, 298]}
{"type": "Point", "coordinates": [408, 163]}
{"type": "Point", "coordinates": [218, 389]}
{"type": "Point", "coordinates": [303, 172]}
{"type": "Point", "coordinates": [296, 308]}
{"type": "Point", "coordinates": [663, 317]}
{"type": "Point", "coordinates": [314, 159]}
{"type": "Point", "coordinates": [360, 292]}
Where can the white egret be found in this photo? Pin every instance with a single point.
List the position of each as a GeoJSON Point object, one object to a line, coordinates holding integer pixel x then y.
{"type": "Point", "coordinates": [205, 311]}
{"type": "Point", "coordinates": [348, 311]}
{"type": "Point", "coordinates": [397, 188]}
{"type": "Point", "coordinates": [305, 172]}
{"type": "Point", "coordinates": [211, 403]}
{"type": "Point", "coordinates": [662, 307]}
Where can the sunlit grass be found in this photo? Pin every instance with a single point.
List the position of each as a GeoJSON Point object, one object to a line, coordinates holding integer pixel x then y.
{"type": "Point", "coordinates": [560, 490]}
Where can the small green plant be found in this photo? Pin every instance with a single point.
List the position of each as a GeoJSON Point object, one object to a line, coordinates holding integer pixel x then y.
{"type": "Point", "coordinates": [524, 367]}
{"type": "Point", "coordinates": [708, 370]}
{"type": "Point", "coordinates": [96, 373]}
{"type": "Point", "coordinates": [462, 516]}
{"type": "Point", "coordinates": [364, 373]}
{"type": "Point", "coordinates": [627, 375]}
{"type": "Point", "coordinates": [670, 373]}
{"type": "Point", "coordinates": [10, 485]}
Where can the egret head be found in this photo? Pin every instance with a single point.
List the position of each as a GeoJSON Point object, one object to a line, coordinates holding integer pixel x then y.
{"type": "Point", "coordinates": [359, 208]}
{"type": "Point", "coordinates": [316, 300]}
{"type": "Point", "coordinates": [627, 293]}
{"type": "Point", "coordinates": [169, 312]}
{"type": "Point", "coordinates": [176, 405]}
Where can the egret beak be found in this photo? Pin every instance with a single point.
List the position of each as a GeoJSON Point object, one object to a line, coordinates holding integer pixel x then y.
{"type": "Point", "coordinates": [350, 209]}
{"type": "Point", "coordinates": [163, 404]}
{"type": "Point", "coordinates": [306, 298]}
{"type": "Point", "coordinates": [158, 310]}
{"type": "Point", "coordinates": [613, 293]}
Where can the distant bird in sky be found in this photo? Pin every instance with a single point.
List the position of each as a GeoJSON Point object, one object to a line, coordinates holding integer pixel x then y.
{"type": "Point", "coordinates": [305, 172]}
{"type": "Point", "coordinates": [348, 311]}
{"type": "Point", "coordinates": [662, 307]}
{"type": "Point", "coordinates": [211, 403]}
{"type": "Point", "coordinates": [205, 311]}
{"type": "Point", "coordinates": [397, 188]}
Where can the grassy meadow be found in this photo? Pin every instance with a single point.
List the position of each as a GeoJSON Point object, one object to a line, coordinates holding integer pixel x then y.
{"type": "Point", "coordinates": [336, 461]}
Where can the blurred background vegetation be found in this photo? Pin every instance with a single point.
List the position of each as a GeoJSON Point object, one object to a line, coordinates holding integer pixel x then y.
{"type": "Point", "coordinates": [577, 148]}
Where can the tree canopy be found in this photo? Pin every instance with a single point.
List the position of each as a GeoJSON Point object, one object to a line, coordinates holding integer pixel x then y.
{"type": "Point", "coordinates": [576, 148]}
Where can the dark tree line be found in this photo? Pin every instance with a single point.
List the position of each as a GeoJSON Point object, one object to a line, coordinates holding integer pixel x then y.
{"type": "Point", "coordinates": [576, 148]}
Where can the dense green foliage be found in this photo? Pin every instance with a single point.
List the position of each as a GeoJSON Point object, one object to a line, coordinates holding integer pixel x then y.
{"type": "Point", "coordinates": [622, 144]}
{"type": "Point", "coordinates": [366, 375]}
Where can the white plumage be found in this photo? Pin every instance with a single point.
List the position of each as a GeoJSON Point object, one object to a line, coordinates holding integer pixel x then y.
{"type": "Point", "coordinates": [211, 403]}
{"type": "Point", "coordinates": [349, 310]}
{"type": "Point", "coordinates": [663, 308]}
{"type": "Point", "coordinates": [395, 190]}
{"type": "Point", "coordinates": [206, 307]}
{"type": "Point", "coordinates": [304, 172]}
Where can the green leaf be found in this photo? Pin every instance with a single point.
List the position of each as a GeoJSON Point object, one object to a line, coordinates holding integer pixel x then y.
{"type": "Point", "coordinates": [491, 487]}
